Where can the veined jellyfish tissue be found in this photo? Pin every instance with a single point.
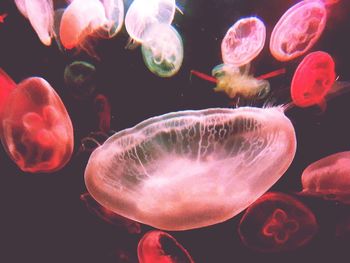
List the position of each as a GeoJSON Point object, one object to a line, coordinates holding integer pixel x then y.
{"type": "Point", "coordinates": [191, 169]}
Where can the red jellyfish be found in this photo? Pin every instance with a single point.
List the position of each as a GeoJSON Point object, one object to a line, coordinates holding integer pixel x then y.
{"type": "Point", "coordinates": [158, 246]}
{"type": "Point", "coordinates": [313, 80]}
{"type": "Point", "coordinates": [298, 30]}
{"type": "Point", "coordinates": [277, 222]}
{"type": "Point", "coordinates": [36, 130]}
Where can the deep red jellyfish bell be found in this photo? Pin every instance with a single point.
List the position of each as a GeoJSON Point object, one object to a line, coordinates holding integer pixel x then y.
{"type": "Point", "coordinates": [313, 79]}
{"type": "Point", "coordinates": [36, 130]}
{"type": "Point", "coordinates": [158, 246]}
{"type": "Point", "coordinates": [277, 222]}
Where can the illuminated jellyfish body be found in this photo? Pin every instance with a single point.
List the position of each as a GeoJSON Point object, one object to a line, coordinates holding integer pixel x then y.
{"type": "Point", "coordinates": [298, 30]}
{"type": "Point", "coordinates": [191, 169]}
{"type": "Point", "coordinates": [142, 14]}
{"type": "Point", "coordinates": [243, 41]}
{"type": "Point", "coordinates": [36, 130]}
{"type": "Point", "coordinates": [160, 247]}
{"type": "Point", "coordinates": [329, 178]}
{"type": "Point", "coordinates": [162, 50]}
{"type": "Point", "coordinates": [40, 14]}
{"type": "Point", "coordinates": [114, 10]}
{"type": "Point", "coordinates": [277, 222]}
{"type": "Point", "coordinates": [80, 78]}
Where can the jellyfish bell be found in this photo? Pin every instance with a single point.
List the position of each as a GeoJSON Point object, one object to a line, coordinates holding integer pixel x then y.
{"type": "Point", "coordinates": [243, 41]}
{"type": "Point", "coordinates": [162, 50]}
{"type": "Point", "coordinates": [158, 246]}
{"type": "Point", "coordinates": [191, 169]}
{"type": "Point", "coordinates": [277, 222]}
{"type": "Point", "coordinates": [298, 30]}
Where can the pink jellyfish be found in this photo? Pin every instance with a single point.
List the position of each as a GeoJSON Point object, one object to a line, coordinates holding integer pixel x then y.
{"type": "Point", "coordinates": [191, 169]}
{"type": "Point", "coordinates": [243, 41]}
{"type": "Point", "coordinates": [277, 222]}
{"type": "Point", "coordinates": [329, 178]}
{"type": "Point", "coordinates": [298, 30]}
{"type": "Point", "coordinates": [108, 216]}
{"type": "Point", "coordinates": [160, 247]}
{"type": "Point", "coordinates": [36, 130]}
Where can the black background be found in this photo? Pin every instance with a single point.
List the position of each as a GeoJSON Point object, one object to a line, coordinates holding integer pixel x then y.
{"type": "Point", "coordinates": [42, 218]}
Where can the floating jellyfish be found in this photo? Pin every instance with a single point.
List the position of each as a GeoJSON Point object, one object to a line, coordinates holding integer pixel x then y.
{"type": "Point", "coordinates": [103, 112]}
{"type": "Point", "coordinates": [162, 50]}
{"type": "Point", "coordinates": [277, 222]}
{"type": "Point", "coordinates": [40, 15]}
{"type": "Point", "coordinates": [80, 78]}
{"type": "Point", "coordinates": [160, 247]}
{"type": "Point", "coordinates": [142, 14]}
{"type": "Point", "coordinates": [36, 130]}
{"type": "Point", "coordinates": [108, 216]}
{"type": "Point", "coordinates": [2, 18]}
{"type": "Point", "coordinates": [329, 178]}
{"type": "Point", "coordinates": [191, 169]}
{"type": "Point", "coordinates": [298, 30]}
{"type": "Point", "coordinates": [114, 10]}
{"type": "Point", "coordinates": [243, 41]}
{"type": "Point", "coordinates": [236, 81]}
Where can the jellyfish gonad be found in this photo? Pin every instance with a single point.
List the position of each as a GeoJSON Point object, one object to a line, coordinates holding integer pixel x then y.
{"type": "Point", "coordinates": [191, 169]}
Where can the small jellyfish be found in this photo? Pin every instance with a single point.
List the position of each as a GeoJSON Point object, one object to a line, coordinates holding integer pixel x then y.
{"type": "Point", "coordinates": [298, 30]}
{"type": "Point", "coordinates": [313, 80]}
{"type": "Point", "coordinates": [329, 178]}
{"type": "Point", "coordinates": [277, 222]}
{"type": "Point", "coordinates": [142, 14]}
{"type": "Point", "coordinates": [243, 41]}
{"type": "Point", "coordinates": [2, 18]}
{"type": "Point", "coordinates": [191, 169]}
{"type": "Point", "coordinates": [40, 15]}
{"type": "Point", "coordinates": [103, 112]}
{"type": "Point", "coordinates": [80, 78]}
{"type": "Point", "coordinates": [158, 246]}
{"type": "Point", "coordinates": [108, 216]}
{"type": "Point", "coordinates": [162, 50]}
{"type": "Point", "coordinates": [36, 130]}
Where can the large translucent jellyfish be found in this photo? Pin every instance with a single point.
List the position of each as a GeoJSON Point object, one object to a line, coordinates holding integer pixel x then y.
{"type": "Point", "coordinates": [329, 178]}
{"type": "Point", "coordinates": [142, 14]}
{"type": "Point", "coordinates": [36, 130]}
{"type": "Point", "coordinates": [162, 50]}
{"type": "Point", "coordinates": [277, 222]}
{"type": "Point", "coordinates": [191, 169]}
{"type": "Point", "coordinates": [298, 30]}
{"type": "Point", "coordinates": [243, 41]}
{"type": "Point", "coordinates": [40, 15]}
{"type": "Point", "coordinates": [160, 247]}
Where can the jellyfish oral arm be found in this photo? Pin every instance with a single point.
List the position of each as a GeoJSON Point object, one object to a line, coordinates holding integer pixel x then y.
{"type": "Point", "coordinates": [272, 74]}
{"type": "Point", "coordinates": [204, 76]}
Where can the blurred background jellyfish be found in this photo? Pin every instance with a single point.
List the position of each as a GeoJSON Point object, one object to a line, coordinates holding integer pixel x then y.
{"type": "Point", "coordinates": [298, 30]}
{"type": "Point", "coordinates": [143, 13]}
{"type": "Point", "coordinates": [243, 41]}
{"type": "Point", "coordinates": [158, 246]}
{"type": "Point", "coordinates": [80, 79]}
{"type": "Point", "coordinates": [40, 15]}
{"type": "Point", "coordinates": [36, 130]}
{"type": "Point", "coordinates": [162, 50]}
{"type": "Point", "coordinates": [103, 108]}
{"type": "Point", "coordinates": [277, 222]}
{"type": "Point", "coordinates": [329, 178]}
{"type": "Point", "coordinates": [206, 166]}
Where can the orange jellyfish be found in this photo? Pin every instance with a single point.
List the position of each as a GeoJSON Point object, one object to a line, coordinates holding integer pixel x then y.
{"type": "Point", "coordinates": [329, 178]}
{"type": "Point", "coordinates": [160, 247]}
{"type": "Point", "coordinates": [243, 41]}
{"type": "Point", "coordinates": [277, 222]}
{"type": "Point", "coordinates": [36, 130]}
{"type": "Point", "coordinates": [298, 30]}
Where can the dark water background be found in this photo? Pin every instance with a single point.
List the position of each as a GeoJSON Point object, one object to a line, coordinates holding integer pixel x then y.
{"type": "Point", "coordinates": [42, 218]}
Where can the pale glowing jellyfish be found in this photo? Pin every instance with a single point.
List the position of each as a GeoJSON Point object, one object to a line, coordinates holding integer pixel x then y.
{"type": "Point", "coordinates": [143, 13]}
{"type": "Point", "coordinates": [243, 41]}
{"type": "Point", "coordinates": [114, 10]}
{"type": "Point", "coordinates": [329, 178]}
{"type": "Point", "coordinates": [36, 130]}
{"type": "Point", "coordinates": [40, 15]}
{"type": "Point", "coordinates": [158, 246]}
{"type": "Point", "coordinates": [162, 50]}
{"type": "Point", "coordinates": [191, 169]}
{"type": "Point", "coordinates": [298, 30]}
